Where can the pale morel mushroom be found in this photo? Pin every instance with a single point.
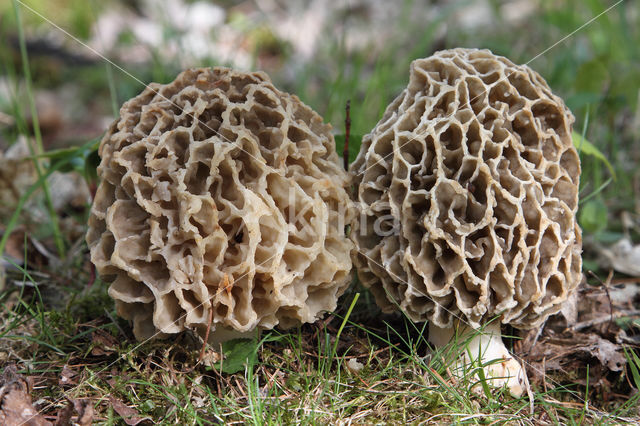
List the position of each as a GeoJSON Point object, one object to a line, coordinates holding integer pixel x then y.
{"type": "Point", "coordinates": [467, 190]}
{"type": "Point", "coordinates": [221, 205]}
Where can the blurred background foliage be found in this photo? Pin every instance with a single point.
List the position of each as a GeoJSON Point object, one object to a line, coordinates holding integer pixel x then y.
{"type": "Point", "coordinates": [330, 52]}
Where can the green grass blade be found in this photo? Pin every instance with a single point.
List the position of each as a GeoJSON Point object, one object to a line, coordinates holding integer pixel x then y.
{"type": "Point", "coordinates": [586, 147]}
{"type": "Point", "coordinates": [57, 235]}
{"type": "Point", "coordinates": [597, 191]}
{"type": "Point", "coordinates": [634, 365]}
{"type": "Point", "coordinates": [39, 342]}
{"type": "Point", "coordinates": [344, 322]}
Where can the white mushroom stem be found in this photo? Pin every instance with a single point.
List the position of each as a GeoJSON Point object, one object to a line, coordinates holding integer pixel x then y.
{"type": "Point", "coordinates": [482, 349]}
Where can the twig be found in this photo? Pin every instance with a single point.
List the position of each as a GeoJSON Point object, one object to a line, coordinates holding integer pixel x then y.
{"type": "Point", "coordinates": [605, 285]}
{"type": "Point", "coordinates": [544, 373]}
{"type": "Point", "coordinates": [632, 280]}
{"type": "Point", "coordinates": [320, 325]}
{"type": "Point", "coordinates": [347, 131]}
{"type": "Point", "coordinates": [205, 340]}
{"type": "Point", "coordinates": [206, 334]}
{"type": "Point", "coordinates": [610, 318]}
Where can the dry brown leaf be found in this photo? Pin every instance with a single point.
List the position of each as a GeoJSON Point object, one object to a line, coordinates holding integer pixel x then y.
{"type": "Point", "coordinates": [67, 376]}
{"type": "Point", "coordinates": [64, 415]}
{"type": "Point", "coordinates": [128, 414]}
{"type": "Point", "coordinates": [571, 350]}
{"type": "Point", "coordinates": [84, 408]}
{"type": "Point", "coordinates": [16, 407]}
{"type": "Point", "coordinates": [103, 343]}
{"type": "Point", "coordinates": [609, 354]}
{"type": "Point", "coordinates": [594, 340]}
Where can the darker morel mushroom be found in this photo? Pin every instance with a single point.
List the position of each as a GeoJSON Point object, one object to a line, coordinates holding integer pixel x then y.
{"type": "Point", "coordinates": [467, 190]}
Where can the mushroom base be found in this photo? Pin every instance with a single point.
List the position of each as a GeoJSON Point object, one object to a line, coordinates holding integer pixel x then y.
{"type": "Point", "coordinates": [484, 349]}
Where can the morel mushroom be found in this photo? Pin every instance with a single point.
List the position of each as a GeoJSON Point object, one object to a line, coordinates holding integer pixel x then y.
{"type": "Point", "coordinates": [221, 204]}
{"type": "Point", "coordinates": [467, 189]}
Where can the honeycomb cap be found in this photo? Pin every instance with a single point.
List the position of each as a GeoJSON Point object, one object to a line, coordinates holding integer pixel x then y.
{"type": "Point", "coordinates": [220, 195]}
{"type": "Point", "coordinates": [467, 190]}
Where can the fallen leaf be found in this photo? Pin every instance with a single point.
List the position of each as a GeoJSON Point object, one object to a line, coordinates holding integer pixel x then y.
{"type": "Point", "coordinates": [586, 147]}
{"type": "Point", "coordinates": [561, 352]}
{"type": "Point", "coordinates": [128, 414]}
{"type": "Point", "coordinates": [608, 353]}
{"type": "Point", "coordinates": [103, 343]}
{"type": "Point", "coordinates": [571, 350]}
{"type": "Point", "coordinates": [84, 408]}
{"type": "Point", "coordinates": [623, 257]}
{"type": "Point", "coordinates": [16, 407]}
{"type": "Point", "coordinates": [64, 415]}
{"type": "Point", "coordinates": [67, 376]}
